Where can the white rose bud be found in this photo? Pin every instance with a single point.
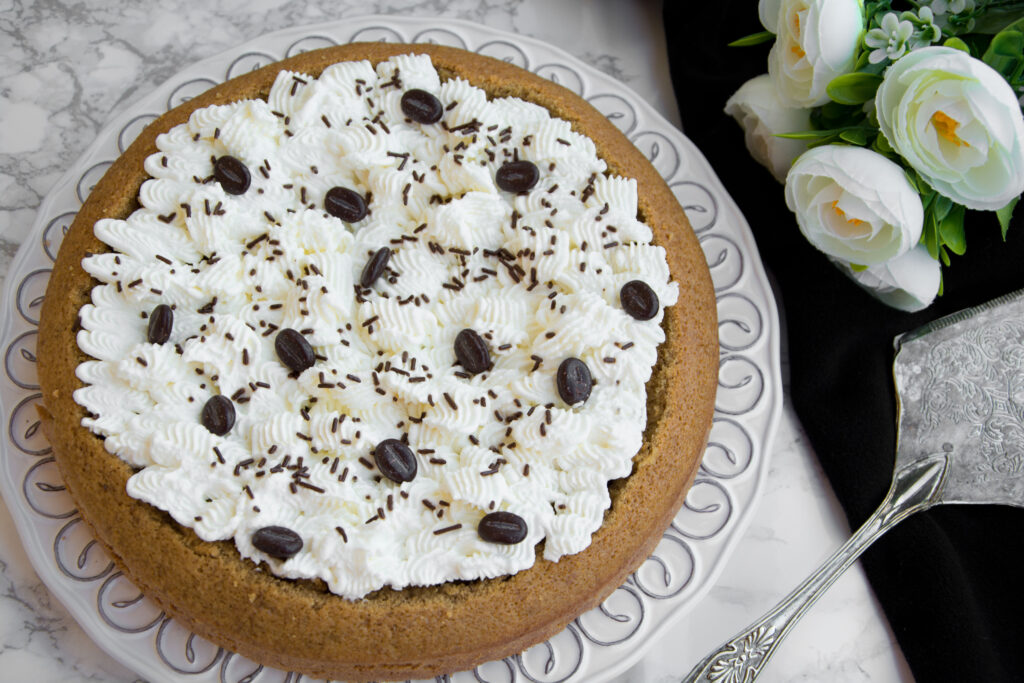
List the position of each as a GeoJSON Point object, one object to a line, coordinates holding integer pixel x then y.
{"type": "Point", "coordinates": [854, 204]}
{"type": "Point", "coordinates": [909, 282]}
{"type": "Point", "coordinates": [815, 41]}
{"type": "Point", "coordinates": [756, 107]}
{"type": "Point", "coordinates": [957, 123]}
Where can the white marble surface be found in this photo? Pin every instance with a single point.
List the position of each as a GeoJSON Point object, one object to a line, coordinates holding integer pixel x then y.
{"type": "Point", "coordinates": [65, 67]}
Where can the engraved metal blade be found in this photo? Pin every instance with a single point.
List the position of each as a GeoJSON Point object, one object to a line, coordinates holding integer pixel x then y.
{"type": "Point", "coordinates": [960, 388]}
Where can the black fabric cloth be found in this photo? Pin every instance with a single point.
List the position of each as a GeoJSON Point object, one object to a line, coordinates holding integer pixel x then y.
{"type": "Point", "coordinates": [950, 578]}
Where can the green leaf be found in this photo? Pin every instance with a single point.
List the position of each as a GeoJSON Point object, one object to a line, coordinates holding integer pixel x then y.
{"type": "Point", "coordinates": [855, 136]}
{"type": "Point", "coordinates": [1017, 25]}
{"type": "Point", "coordinates": [854, 88]}
{"type": "Point", "coordinates": [862, 61]}
{"type": "Point", "coordinates": [857, 268]}
{"type": "Point", "coordinates": [919, 184]}
{"type": "Point", "coordinates": [1005, 53]}
{"type": "Point", "coordinates": [876, 7]}
{"type": "Point", "coordinates": [753, 39]}
{"type": "Point", "coordinates": [930, 235]}
{"type": "Point", "coordinates": [927, 197]}
{"type": "Point", "coordinates": [976, 44]}
{"type": "Point", "coordinates": [957, 44]}
{"type": "Point", "coordinates": [911, 175]}
{"type": "Point", "coordinates": [944, 256]}
{"type": "Point", "coordinates": [807, 134]}
{"type": "Point", "coordinates": [882, 146]}
{"type": "Point", "coordinates": [941, 207]}
{"type": "Point", "coordinates": [951, 230]}
{"type": "Point", "coordinates": [1004, 215]}
{"type": "Point", "coordinates": [1006, 44]}
{"type": "Point", "coordinates": [832, 115]}
{"type": "Point", "coordinates": [996, 19]}
{"type": "Point", "coordinates": [916, 183]}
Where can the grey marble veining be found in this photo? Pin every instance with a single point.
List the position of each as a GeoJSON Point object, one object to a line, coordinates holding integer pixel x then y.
{"type": "Point", "coordinates": [67, 67]}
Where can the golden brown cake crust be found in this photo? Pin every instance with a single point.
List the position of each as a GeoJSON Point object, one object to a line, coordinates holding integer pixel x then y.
{"type": "Point", "coordinates": [417, 632]}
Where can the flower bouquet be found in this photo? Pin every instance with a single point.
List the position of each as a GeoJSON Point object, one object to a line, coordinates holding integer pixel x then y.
{"type": "Point", "coordinates": [886, 125]}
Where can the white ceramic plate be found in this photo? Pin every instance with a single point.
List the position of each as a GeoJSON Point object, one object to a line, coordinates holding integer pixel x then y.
{"type": "Point", "coordinates": [593, 648]}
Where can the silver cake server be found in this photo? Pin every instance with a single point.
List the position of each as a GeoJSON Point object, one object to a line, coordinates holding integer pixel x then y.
{"type": "Point", "coordinates": [960, 390]}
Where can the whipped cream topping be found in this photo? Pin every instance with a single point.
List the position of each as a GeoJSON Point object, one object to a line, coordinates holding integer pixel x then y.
{"type": "Point", "coordinates": [537, 274]}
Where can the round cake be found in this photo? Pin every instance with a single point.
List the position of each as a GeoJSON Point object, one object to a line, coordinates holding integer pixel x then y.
{"type": "Point", "coordinates": [379, 362]}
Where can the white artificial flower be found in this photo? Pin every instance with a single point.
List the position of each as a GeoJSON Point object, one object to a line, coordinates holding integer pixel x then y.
{"type": "Point", "coordinates": [890, 40]}
{"type": "Point", "coordinates": [909, 282]}
{"type": "Point", "coordinates": [928, 31]}
{"type": "Point", "coordinates": [816, 40]}
{"type": "Point", "coordinates": [854, 204]}
{"type": "Point", "coordinates": [956, 122]}
{"type": "Point", "coordinates": [942, 7]}
{"type": "Point", "coordinates": [943, 10]}
{"type": "Point", "coordinates": [757, 108]}
{"type": "Point", "coordinates": [768, 11]}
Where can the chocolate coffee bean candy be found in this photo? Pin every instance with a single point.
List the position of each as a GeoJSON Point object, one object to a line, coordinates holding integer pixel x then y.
{"type": "Point", "coordinates": [421, 106]}
{"type": "Point", "coordinates": [293, 350]}
{"type": "Point", "coordinates": [502, 527]}
{"type": "Point", "coordinates": [161, 321]}
{"type": "Point", "coordinates": [277, 541]}
{"type": "Point", "coordinates": [395, 460]}
{"type": "Point", "coordinates": [574, 381]}
{"type": "Point", "coordinates": [346, 204]}
{"type": "Point", "coordinates": [232, 174]}
{"type": "Point", "coordinates": [374, 267]}
{"type": "Point", "coordinates": [218, 415]}
{"type": "Point", "coordinates": [471, 352]}
{"type": "Point", "coordinates": [639, 300]}
{"type": "Point", "coordinates": [517, 176]}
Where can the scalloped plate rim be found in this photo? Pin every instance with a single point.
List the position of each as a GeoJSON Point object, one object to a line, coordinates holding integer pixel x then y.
{"type": "Point", "coordinates": [108, 133]}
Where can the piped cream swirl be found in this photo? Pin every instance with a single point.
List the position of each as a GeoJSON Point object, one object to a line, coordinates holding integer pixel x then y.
{"type": "Point", "coordinates": [536, 274]}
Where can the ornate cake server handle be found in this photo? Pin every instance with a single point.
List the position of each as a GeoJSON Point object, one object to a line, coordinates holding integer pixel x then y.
{"type": "Point", "coordinates": [943, 455]}
{"type": "Point", "coordinates": [740, 660]}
